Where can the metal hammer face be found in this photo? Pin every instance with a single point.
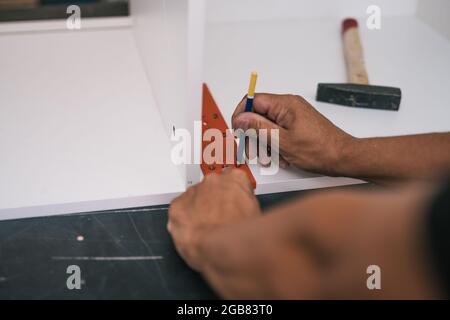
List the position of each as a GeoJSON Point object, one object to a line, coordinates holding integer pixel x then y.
{"type": "Point", "coordinates": [358, 92]}
{"type": "Point", "coordinates": [360, 95]}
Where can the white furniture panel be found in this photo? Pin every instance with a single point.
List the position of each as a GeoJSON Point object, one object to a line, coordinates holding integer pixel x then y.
{"type": "Point", "coordinates": [79, 127]}
{"type": "Point", "coordinates": [169, 36]}
{"type": "Point", "coordinates": [86, 116]}
{"type": "Point", "coordinates": [248, 10]}
{"type": "Point", "coordinates": [435, 13]}
{"type": "Point", "coordinates": [293, 55]}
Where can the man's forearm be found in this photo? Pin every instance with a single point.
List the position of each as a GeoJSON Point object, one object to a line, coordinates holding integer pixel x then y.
{"type": "Point", "coordinates": [321, 246]}
{"type": "Point", "coordinates": [257, 259]}
{"type": "Point", "coordinates": [233, 261]}
{"type": "Point", "coordinates": [393, 158]}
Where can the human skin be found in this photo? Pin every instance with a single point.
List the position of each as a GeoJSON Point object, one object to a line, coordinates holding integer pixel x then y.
{"type": "Point", "coordinates": [318, 246]}
{"type": "Point", "coordinates": [310, 141]}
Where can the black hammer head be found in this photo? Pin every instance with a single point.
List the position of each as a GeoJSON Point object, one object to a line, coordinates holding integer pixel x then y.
{"type": "Point", "coordinates": [360, 95]}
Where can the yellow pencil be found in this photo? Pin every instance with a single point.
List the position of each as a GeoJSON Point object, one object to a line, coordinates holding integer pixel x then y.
{"type": "Point", "coordinates": [248, 108]}
{"type": "Point", "coordinates": [251, 92]}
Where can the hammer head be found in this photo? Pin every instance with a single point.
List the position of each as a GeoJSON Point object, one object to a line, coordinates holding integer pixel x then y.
{"type": "Point", "coordinates": [360, 95]}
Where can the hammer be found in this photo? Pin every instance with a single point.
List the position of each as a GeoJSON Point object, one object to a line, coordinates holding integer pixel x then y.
{"type": "Point", "coordinates": [358, 92]}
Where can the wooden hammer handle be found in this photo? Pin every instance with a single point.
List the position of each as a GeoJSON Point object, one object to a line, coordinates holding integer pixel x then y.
{"type": "Point", "coordinates": [353, 52]}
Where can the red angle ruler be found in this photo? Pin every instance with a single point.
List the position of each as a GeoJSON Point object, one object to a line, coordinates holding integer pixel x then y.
{"type": "Point", "coordinates": [212, 118]}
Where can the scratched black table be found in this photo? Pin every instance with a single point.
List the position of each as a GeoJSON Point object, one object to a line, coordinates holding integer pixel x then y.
{"type": "Point", "coordinates": [122, 254]}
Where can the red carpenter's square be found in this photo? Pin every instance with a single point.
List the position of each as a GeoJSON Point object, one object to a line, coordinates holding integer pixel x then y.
{"type": "Point", "coordinates": [212, 118]}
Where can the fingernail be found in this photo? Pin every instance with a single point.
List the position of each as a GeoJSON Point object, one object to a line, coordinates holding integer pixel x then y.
{"type": "Point", "coordinates": [243, 124]}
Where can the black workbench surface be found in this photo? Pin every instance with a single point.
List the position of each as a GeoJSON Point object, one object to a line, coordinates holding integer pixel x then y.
{"type": "Point", "coordinates": [35, 253]}
{"type": "Point", "coordinates": [122, 254]}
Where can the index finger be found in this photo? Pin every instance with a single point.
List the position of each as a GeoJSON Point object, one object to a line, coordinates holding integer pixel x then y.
{"type": "Point", "coordinates": [275, 107]}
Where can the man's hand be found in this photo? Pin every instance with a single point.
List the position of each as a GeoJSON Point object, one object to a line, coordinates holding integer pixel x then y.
{"type": "Point", "coordinates": [318, 247]}
{"type": "Point", "coordinates": [219, 200]}
{"type": "Point", "coordinates": [308, 140]}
